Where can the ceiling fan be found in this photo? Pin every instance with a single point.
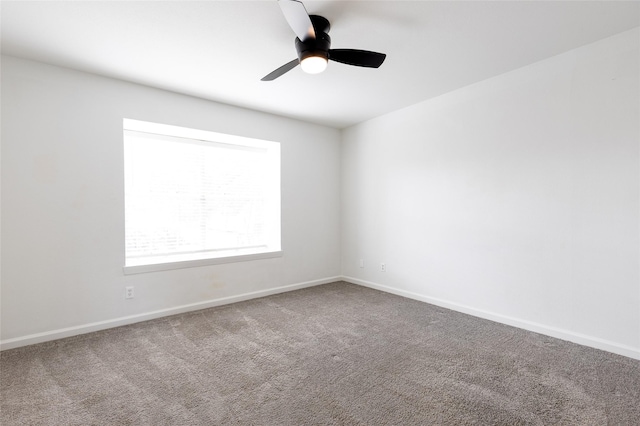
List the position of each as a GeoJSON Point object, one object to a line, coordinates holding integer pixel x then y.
{"type": "Point", "coordinates": [313, 44]}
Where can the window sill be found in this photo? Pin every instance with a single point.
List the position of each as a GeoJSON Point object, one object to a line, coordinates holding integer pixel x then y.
{"type": "Point", "coordinates": [167, 266]}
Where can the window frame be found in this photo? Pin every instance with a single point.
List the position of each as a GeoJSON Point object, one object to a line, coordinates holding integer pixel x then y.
{"type": "Point", "coordinates": [172, 132]}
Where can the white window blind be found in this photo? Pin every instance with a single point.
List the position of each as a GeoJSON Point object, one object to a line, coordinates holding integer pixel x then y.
{"type": "Point", "coordinates": [199, 196]}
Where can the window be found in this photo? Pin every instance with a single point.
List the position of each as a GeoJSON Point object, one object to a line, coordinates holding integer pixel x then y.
{"type": "Point", "coordinates": [195, 197]}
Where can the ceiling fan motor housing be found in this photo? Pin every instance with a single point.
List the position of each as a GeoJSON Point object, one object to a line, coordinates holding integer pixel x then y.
{"type": "Point", "coordinates": [318, 46]}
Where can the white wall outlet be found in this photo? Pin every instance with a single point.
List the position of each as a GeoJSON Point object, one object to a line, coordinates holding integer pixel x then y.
{"type": "Point", "coordinates": [128, 292]}
{"type": "Point", "coordinates": [383, 267]}
{"type": "Point", "coordinates": [362, 263]}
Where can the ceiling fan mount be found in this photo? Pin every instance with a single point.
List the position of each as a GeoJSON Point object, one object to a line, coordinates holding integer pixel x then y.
{"type": "Point", "coordinates": [313, 44]}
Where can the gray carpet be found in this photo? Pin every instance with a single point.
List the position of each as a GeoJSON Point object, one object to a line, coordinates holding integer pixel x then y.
{"type": "Point", "coordinates": [332, 354]}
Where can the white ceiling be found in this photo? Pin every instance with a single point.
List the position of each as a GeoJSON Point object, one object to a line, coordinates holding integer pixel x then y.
{"type": "Point", "coordinates": [219, 50]}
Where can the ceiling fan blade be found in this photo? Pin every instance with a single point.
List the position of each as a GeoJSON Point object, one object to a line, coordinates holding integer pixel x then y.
{"type": "Point", "coordinates": [298, 19]}
{"type": "Point", "coordinates": [359, 58]}
{"type": "Point", "coordinates": [282, 70]}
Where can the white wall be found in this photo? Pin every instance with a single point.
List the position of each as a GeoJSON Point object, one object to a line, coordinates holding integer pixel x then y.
{"type": "Point", "coordinates": [63, 204]}
{"type": "Point", "coordinates": [515, 199]}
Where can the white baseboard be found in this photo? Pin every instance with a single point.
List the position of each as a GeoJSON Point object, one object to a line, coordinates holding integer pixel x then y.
{"type": "Point", "coordinates": [570, 336]}
{"type": "Point", "coordinates": [558, 333]}
{"type": "Point", "coordinates": [131, 319]}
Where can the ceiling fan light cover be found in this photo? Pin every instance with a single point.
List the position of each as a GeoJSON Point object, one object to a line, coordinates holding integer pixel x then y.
{"type": "Point", "coordinates": [313, 64]}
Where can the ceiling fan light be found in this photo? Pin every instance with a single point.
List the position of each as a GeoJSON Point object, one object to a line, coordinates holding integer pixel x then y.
{"type": "Point", "coordinates": [313, 64]}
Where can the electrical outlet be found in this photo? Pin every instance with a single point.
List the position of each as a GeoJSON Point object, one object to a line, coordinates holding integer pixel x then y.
{"type": "Point", "coordinates": [383, 267]}
{"type": "Point", "coordinates": [362, 263]}
{"type": "Point", "coordinates": [128, 292]}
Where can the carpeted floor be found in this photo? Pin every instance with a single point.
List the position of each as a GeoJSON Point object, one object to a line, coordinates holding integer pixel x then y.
{"type": "Point", "coordinates": [332, 354]}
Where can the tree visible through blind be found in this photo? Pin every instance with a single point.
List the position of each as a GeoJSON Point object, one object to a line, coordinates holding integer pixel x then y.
{"type": "Point", "coordinates": [189, 199]}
